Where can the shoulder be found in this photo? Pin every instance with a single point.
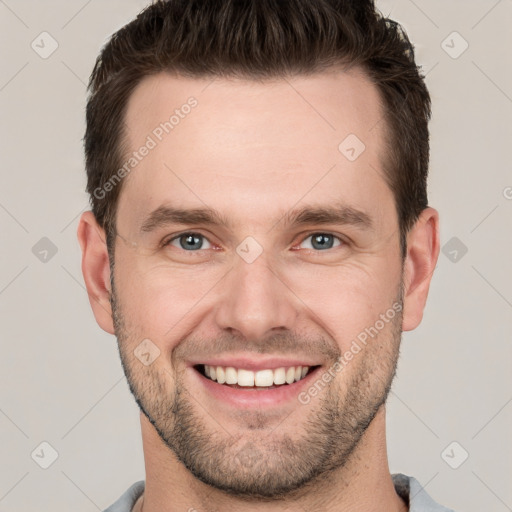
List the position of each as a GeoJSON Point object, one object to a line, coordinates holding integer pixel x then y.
{"type": "Point", "coordinates": [408, 488]}
{"type": "Point", "coordinates": [127, 500]}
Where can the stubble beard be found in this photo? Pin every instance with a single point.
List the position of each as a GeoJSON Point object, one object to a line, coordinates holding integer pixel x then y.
{"type": "Point", "coordinates": [261, 462]}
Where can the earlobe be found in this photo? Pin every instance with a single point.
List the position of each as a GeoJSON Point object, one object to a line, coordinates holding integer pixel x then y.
{"type": "Point", "coordinates": [419, 265]}
{"type": "Point", "coordinates": [96, 269]}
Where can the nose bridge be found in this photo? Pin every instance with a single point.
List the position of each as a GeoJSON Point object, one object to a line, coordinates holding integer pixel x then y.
{"type": "Point", "coordinates": [255, 300]}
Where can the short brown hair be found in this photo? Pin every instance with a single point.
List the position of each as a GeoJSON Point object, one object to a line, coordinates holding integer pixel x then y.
{"type": "Point", "coordinates": [259, 39]}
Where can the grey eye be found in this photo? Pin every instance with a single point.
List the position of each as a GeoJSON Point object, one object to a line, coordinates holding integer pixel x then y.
{"type": "Point", "coordinates": [189, 241]}
{"type": "Point", "coordinates": [322, 241]}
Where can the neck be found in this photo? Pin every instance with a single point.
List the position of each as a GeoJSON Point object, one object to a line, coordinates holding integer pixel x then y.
{"type": "Point", "coordinates": [364, 483]}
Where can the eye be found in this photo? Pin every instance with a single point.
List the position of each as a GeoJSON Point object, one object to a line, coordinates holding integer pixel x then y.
{"type": "Point", "coordinates": [189, 242]}
{"type": "Point", "coordinates": [322, 241]}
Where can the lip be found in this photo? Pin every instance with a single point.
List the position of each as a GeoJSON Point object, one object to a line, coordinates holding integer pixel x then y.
{"type": "Point", "coordinates": [246, 363]}
{"type": "Point", "coordinates": [253, 398]}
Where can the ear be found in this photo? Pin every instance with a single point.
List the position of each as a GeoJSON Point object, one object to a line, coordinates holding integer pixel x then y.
{"type": "Point", "coordinates": [419, 265]}
{"type": "Point", "coordinates": [96, 269]}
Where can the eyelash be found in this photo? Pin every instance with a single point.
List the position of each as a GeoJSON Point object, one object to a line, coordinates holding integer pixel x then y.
{"type": "Point", "coordinates": [343, 242]}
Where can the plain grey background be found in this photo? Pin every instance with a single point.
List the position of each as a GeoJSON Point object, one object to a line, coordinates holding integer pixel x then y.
{"type": "Point", "coordinates": [61, 378]}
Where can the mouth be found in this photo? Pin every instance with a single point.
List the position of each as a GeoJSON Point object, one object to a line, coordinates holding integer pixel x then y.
{"type": "Point", "coordinates": [259, 380]}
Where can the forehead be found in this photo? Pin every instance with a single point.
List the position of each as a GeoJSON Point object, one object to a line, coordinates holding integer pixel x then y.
{"type": "Point", "coordinates": [247, 148]}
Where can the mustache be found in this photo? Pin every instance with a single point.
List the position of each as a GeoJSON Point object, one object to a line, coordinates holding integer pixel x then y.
{"type": "Point", "coordinates": [278, 344]}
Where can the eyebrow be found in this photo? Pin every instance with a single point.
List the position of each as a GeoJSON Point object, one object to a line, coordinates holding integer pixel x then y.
{"type": "Point", "coordinates": [338, 214]}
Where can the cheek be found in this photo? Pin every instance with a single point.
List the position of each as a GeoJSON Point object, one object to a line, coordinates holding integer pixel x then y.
{"type": "Point", "coordinates": [161, 299]}
{"type": "Point", "coordinates": [165, 302]}
{"type": "Point", "coordinates": [348, 299]}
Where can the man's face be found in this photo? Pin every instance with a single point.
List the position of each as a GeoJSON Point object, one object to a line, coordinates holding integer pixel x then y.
{"type": "Point", "coordinates": [259, 291]}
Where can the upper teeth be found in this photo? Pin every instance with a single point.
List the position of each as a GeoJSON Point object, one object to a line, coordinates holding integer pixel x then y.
{"type": "Point", "coordinates": [230, 375]}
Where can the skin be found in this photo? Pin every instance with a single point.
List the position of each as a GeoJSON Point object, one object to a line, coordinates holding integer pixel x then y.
{"type": "Point", "coordinates": [255, 151]}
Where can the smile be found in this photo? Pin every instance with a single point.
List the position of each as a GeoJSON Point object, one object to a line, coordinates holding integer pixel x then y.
{"type": "Point", "coordinates": [261, 379]}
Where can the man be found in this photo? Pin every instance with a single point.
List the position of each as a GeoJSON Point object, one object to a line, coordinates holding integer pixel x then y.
{"type": "Point", "coordinates": [259, 238]}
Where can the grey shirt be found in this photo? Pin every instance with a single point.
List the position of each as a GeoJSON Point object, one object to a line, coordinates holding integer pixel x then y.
{"type": "Point", "coordinates": [407, 487]}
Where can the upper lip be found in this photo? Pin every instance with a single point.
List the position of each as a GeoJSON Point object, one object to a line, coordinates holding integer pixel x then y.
{"type": "Point", "coordinates": [252, 363]}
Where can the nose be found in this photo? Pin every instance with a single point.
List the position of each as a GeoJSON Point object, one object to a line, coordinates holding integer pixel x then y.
{"type": "Point", "coordinates": [256, 300]}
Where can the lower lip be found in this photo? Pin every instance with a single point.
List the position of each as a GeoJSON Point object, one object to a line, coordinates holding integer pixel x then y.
{"type": "Point", "coordinates": [251, 397]}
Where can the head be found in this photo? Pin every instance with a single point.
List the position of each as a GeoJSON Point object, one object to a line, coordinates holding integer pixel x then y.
{"type": "Point", "coordinates": [298, 133]}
